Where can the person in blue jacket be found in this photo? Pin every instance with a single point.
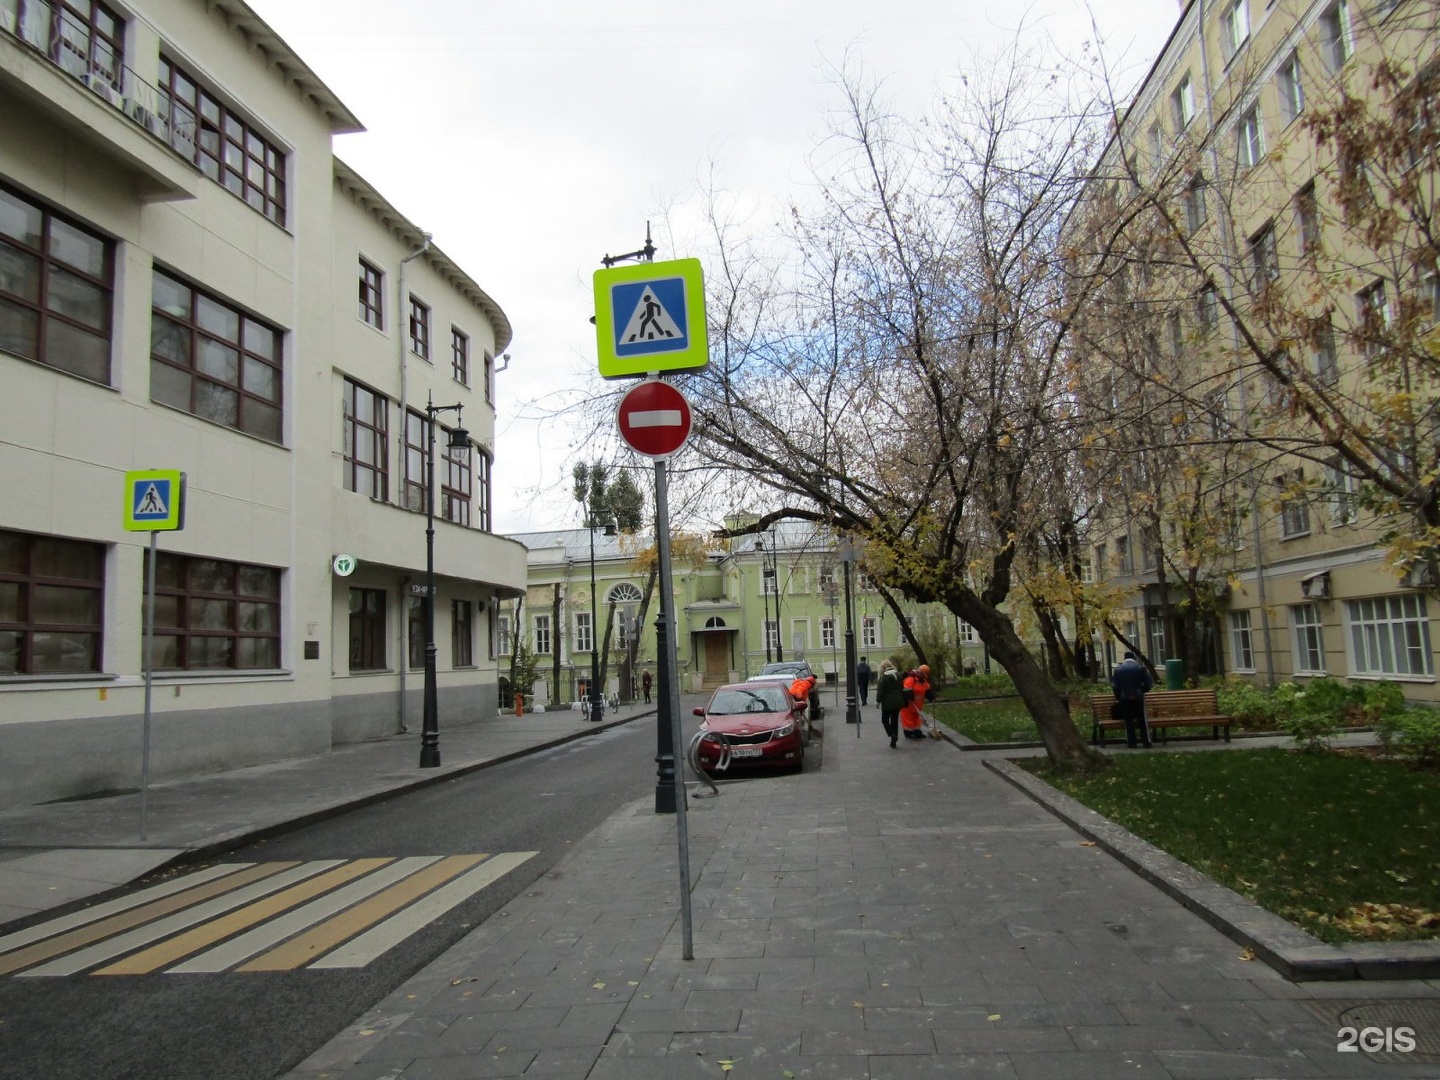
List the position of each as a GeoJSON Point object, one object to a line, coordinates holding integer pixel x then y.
{"type": "Point", "coordinates": [1131, 681]}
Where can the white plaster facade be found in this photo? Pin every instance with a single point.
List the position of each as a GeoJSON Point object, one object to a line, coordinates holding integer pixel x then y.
{"type": "Point", "coordinates": [80, 145]}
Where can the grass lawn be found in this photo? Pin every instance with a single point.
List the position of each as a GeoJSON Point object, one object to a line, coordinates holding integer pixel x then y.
{"type": "Point", "coordinates": [1345, 845]}
{"type": "Point", "coordinates": [1000, 720]}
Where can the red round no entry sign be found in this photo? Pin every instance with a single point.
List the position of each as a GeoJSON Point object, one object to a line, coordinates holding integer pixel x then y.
{"type": "Point", "coordinates": [654, 418]}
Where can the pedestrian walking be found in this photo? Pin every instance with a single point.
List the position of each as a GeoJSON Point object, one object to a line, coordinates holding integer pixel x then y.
{"type": "Point", "coordinates": [917, 692]}
{"type": "Point", "coordinates": [1131, 682]}
{"type": "Point", "coordinates": [645, 684]}
{"type": "Point", "coordinates": [862, 680]}
{"type": "Point", "coordinates": [890, 696]}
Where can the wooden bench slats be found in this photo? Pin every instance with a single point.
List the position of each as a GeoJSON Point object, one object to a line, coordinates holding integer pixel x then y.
{"type": "Point", "coordinates": [1164, 709]}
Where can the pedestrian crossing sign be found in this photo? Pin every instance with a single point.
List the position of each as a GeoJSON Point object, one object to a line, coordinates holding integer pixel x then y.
{"type": "Point", "coordinates": [650, 318]}
{"type": "Point", "coordinates": [154, 500]}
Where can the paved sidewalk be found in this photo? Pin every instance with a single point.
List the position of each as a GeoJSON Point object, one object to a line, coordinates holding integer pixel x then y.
{"type": "Point", "coordinates": [895, 914]}
{"type": "Point", "coordinates": [57, 853]}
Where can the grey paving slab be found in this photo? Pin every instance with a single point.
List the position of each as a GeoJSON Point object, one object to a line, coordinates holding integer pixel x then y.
{"type": "Point", "coordinates": [890, 915]}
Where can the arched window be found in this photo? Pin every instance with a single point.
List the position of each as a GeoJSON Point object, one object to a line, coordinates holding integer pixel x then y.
{"type": "Point", "coordinates": [623, 593]}
{"type": "Point", "coordinates": [714, 623]}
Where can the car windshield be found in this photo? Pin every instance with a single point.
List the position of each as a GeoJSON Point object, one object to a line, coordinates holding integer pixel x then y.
{"type": "Point", "coordinates": [782, 669]}
{"type": "Point", "coordinates": [758, 699]}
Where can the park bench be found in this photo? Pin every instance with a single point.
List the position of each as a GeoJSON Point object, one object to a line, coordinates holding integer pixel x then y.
{"type": "Point", "coordinates": [1164, 709]}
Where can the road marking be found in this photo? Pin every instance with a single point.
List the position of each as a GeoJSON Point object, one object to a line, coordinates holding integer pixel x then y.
{"type": "Point", "coordinates": [277, 916]}
{"type": "Point", "coordinates": [309, 946]}
{"type": "Point", "coordinates": [377, 941]}
{"type": "Point", "coordinates": [208, 933]}
{"type": "Point", "coordinates": [124, 903]}
{"type": "Point", "coordinates": [95, 931]}
{"type": "Point", "coordinates": [144, 935]}
{"type": "Point", "coordinates": [277, 930]}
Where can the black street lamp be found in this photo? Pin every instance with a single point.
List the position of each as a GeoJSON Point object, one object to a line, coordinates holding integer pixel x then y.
{"type": "Point", "coordinates": [597, 698]}
{"type": "Point", "coordinates": [458, 443]}
{"type": "Point", "coordinates": [852, 709]}
{"type": "Point", "coordinates": [765, 575]}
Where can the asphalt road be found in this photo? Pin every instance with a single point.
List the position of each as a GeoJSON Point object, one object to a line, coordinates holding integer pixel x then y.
{"type": "Point", "coordinates": [257, 1025]}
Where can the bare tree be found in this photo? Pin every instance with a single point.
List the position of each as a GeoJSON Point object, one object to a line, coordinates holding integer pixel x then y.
{"type": "Point", "coordinates": [901, 375]}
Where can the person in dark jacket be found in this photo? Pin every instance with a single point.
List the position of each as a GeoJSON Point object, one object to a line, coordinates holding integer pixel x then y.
{"type": "Point", "coordinates": [1131, 681]}
{"type": "Point", "coordinates": [890, 696]}
{"type": "Point", "coordinates": [862, 680]}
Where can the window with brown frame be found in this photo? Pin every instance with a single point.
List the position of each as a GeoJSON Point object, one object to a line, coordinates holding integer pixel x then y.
{"type": "Point", "coordinates": [52, 601]}
{"type": "Point", "coordinates": [455, 489]}
{"type": "Point", "coordinates": [419, 328]}
{"type": "Point", "coordinates": [212, 614]}
{"type": "Point", "coordinates": [462, 634]}
{"type": "Point", "coordinates": [417, 443]}
{"type": "Point", "coordinates": [367, 426]}
{"type": "Point", "coordinates": [213, 360]}
{"type": "Point", "coordinates": [86, 38]}
{"type": "Point", "coordinates": [415, 632]}
{"type": "Point", "coordinates": [367, 629]}
{"type": "Point", "coordinates": [489, 379]}
{"type": "Point", "coordinates": [227, 148]}
{"type": "Point", "coordinates": [56, 289]}
{"type": "Point", "coordinates": [460, 356]}
{"type": "Point", "coordinates": [372, 295]}
{"type": "Point", "coordinates": [483, 520]}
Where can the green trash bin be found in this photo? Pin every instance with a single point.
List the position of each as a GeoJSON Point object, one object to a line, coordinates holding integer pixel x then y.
{"type": "Point", "coordinates": [1174, 674]}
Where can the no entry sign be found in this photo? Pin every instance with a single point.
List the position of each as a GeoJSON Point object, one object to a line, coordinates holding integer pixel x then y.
{"type": "Point", "coordinates": [654, 418]}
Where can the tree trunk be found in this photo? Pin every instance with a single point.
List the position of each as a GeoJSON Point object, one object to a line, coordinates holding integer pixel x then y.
{"type": "Point", "coordinates": [1046, 704]}
{"type": "Point", "coordinates": [605, 647]}
{"type": "Point", "coordinates": [633, 651]}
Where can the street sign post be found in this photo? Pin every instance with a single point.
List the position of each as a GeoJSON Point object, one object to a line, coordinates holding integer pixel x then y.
{"type": "Point", "coordinates": [154, 503]}
{"type": "Point", "coordinates": [653, 418]}
{"type": "Point", "coordinates": [650, 318]}
{"type": "Point", "coordinates": [649, 321]}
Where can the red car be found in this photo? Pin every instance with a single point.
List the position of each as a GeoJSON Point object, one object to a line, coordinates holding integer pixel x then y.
{"type": "Point", "coordinates": [758, 723]}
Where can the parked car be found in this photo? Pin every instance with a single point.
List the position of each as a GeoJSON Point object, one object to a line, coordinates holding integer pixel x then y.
{"type": "Point", "coordinates": [789, 670]}
{"type": "Point", "coordinates": [758, 722]}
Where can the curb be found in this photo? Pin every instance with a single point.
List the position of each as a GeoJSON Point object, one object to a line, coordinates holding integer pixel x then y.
{"type": "Point", "coordinates": [1295, 954]}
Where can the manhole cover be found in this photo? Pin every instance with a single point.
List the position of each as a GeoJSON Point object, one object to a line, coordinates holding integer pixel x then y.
{"type": "Point", "coordinates": [1392, 1032]}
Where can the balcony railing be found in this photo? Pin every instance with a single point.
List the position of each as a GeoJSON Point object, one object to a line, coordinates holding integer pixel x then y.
{"type": "Point", "coordinates": [69, 44]}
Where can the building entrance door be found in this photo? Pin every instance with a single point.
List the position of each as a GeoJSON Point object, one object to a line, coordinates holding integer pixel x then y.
{"type": "Point", "coordinates": [717, 658]}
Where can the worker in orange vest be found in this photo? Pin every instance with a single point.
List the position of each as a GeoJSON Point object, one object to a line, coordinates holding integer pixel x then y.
{"type": "Point", "coordinates": [800, 688]}
{"type": "Point", "coordinates": [917, 689]}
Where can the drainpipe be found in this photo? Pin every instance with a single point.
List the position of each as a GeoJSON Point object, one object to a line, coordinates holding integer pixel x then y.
{"type": "Point", "coordinates": [404, 347]}
{"type": "Point", "coordinates": [1232, 247]}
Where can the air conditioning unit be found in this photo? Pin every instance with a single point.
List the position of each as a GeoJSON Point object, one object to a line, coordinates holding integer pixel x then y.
{"type": "Point", "coordinates": [1316, 586]}
{"type": "Point", "coordinates": [1419, 576]}
{"type": "Point", "coordinates": [102, 86]}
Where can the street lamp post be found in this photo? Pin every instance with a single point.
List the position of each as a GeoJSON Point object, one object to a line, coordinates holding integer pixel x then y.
{"type": "Point", "coordinates": [765, 595]}
{"type": "Point", "coordinates": [459, 440]}
{"type": "Point", "coordinates": [852, 709]}
{"type": "Point", "coordinates": [597, 698]}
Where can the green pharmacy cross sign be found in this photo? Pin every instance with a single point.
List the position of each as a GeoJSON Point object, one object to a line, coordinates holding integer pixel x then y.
{"type": "Point", "coordinates": [650, 318]}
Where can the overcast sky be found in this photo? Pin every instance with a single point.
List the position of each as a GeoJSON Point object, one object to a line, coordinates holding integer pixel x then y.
{"type": "Point", "coordinates": [532, 137]}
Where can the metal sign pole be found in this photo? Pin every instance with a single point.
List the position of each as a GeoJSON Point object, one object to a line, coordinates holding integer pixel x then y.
{"type": "Point", "coordinates": [672, 690]}
{"type": "Point", "coordinates": [149, 681]}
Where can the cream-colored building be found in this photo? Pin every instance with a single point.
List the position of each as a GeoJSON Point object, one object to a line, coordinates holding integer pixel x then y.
{"type": "Point", "coordinates": [190, 280]}
{"type": "Point", "coordinates": [1238, 210]}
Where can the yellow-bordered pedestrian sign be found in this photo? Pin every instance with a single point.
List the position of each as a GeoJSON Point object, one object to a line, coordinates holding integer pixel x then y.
{"type": "Point", "coordinates": [650, 317]}
{"type": "Point", "coordinates": [155, 500]}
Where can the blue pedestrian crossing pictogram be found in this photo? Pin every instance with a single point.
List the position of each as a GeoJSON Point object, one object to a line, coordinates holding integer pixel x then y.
{"type": "Point", "coordinates": [153, 501]}
{"type": "Point", "coordinates": [651, 317]}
